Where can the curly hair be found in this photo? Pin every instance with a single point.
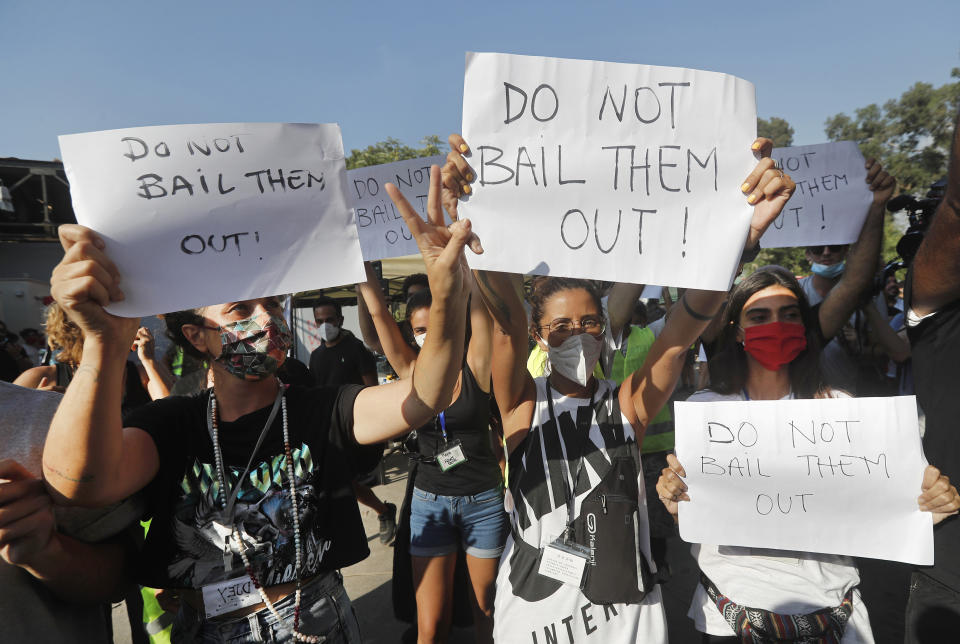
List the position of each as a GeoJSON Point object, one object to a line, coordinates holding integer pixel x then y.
{"type": "Point", "coordinates": [63, 336]}
{"type": "Point", "coordinates": [175, 322]}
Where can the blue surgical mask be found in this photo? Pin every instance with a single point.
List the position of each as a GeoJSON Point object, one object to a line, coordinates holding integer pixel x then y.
{"type": "Point", "coordinates": [829, 272]}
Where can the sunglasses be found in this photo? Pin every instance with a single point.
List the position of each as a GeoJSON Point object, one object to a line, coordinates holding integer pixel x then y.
{"type": "Point", "coordinates": [819, 250]}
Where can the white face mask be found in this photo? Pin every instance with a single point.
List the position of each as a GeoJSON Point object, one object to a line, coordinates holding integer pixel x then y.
{"type": "Point", "coordinates": [420, 339]}
{"type": "Point", "coordinates": [576, 357]}
{"type": "Point", "coordinates": [329, 331]}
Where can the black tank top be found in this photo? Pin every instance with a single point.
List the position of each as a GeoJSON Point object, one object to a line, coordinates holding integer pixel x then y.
{"type": "Point", "coordinates": [467, 420]}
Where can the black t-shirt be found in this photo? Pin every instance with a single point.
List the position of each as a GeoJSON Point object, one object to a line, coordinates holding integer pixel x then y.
{"type": "Point", "coordinates": [467, 420]}
{"type": "Point", "coordinates": [342, 364]}
{"type": "Point", "coordinates": [185, 544]}
{"type": "Point", "coordinates": [935, 352]}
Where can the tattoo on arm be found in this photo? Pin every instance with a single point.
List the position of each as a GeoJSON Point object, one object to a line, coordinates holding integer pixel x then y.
{"type": "Point", "coordinates": [84, 478]}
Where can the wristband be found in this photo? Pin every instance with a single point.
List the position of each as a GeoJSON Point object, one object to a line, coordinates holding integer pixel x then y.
{"type": "Point", "coordinates": [694, 314]}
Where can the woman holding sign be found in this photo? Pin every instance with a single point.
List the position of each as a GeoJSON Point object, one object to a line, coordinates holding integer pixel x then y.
{"type": "Point", "coordinates": [769, 349]}
{"type": "Point", "coordinates": [249, 482]}
{"type": "Point", "coordinates": [578, 560]}
{"type": "Point", "coordinates": [457, 499]}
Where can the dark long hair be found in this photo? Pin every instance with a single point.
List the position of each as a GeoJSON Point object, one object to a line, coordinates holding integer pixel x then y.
{"type": "Point", "coordinates": [728, 368]}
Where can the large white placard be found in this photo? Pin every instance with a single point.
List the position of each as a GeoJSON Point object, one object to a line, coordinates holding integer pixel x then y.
{"type": "Point", "coordinates": [202, 214]}
{"type": "Point", "coordinates": [838, 476]}
{"type": "Point", "coordinates": [383, 234]}
{"type": "Point", "coordinates": [831, 199]}
{"type": "Point", "coordinates": [629, 173]}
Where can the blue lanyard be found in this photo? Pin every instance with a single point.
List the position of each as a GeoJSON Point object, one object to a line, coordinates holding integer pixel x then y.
{"type": "Point", "coordinates": [745, 394]}
{"type": "Point", "coordinates": [443, 427]}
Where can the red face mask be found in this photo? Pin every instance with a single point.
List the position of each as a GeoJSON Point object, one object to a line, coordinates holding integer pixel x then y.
{"type": "Point", "coordinates": [774, 344]}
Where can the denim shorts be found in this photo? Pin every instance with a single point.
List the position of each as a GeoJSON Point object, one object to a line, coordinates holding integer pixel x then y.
{"type": "Point", "coordinates": [440, 524]}
{"type": "Point", "coordinates": [325, 610]}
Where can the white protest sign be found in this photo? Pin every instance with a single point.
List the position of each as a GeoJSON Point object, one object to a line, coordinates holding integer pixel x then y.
{"type": "Point", "coordinates": [383, 234]}
{"type": "Point", "coordinates": [627, 173]}
{"type": "Point", "coordinates": [831, 199]}
{"type": "Point", "coordinates": [202, 214]}
{"type": "Point", "coordinates": [838, 476]}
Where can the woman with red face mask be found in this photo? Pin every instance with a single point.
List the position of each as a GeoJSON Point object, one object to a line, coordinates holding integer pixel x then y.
{"type": "Point", "coordinates": [769, 349]}
{"type": "Point", "coordinates": [248, 482]}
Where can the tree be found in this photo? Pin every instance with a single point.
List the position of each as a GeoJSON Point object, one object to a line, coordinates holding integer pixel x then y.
{"type": "Point", "coordinates": [777, 130]}
{"type": "Point", "coordinates": [910, 135]}
{"type": "Point", "coordinates": [392, 150]}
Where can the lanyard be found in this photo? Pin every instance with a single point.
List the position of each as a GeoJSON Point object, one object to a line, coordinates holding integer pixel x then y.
{"type": "Point", "coordinates": [443, 427]}
{"type": "Point", "coordinates": [583, 429]}
{"type": "Point", "coordinates": [263, 434]}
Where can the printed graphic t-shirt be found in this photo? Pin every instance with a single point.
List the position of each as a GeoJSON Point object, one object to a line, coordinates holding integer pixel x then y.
{"type": "Point", "coordinates": [535, 609]}
{"type": "Point", "coordinates": [186, 543]}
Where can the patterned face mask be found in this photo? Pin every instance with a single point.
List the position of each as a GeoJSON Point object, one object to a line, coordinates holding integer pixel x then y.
{"type": "Point", "coordinates": [254, 348]}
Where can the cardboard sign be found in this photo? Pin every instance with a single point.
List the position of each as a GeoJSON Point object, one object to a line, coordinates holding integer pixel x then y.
{"type": "Point", "coordinates": [837, 476]}
{"type": "Point", "coordinates": [628, 173]}
{"type": "Point", "coordinates": [383, 234]}
{"type": "Point", "coordinates": [202, 214]}
{"type": "Point", "coordinates": [831, 200]}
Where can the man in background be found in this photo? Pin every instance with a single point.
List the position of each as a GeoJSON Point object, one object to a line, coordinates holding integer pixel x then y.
{"type": "Point", "coordinates": [342, 359]}
{"type": "Point", "coordinates": [932, 302]}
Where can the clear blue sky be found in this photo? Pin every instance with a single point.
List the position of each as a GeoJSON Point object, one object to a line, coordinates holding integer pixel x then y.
{"type": "Point", "coordinates": [396, 69]}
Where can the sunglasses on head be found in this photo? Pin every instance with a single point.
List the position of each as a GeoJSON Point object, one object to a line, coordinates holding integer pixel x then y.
{"type": "Point", "coordinates": [819, 250]}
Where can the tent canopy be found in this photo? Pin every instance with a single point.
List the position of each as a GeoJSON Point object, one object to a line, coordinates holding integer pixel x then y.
{"type": "Point", "coordinates": [394, 271]}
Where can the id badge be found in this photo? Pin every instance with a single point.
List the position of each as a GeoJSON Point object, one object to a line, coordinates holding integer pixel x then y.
{"type": "Point", "coordinates": [564, 561]}
{"type": "Point", "coordinates": [451, 456]}
{"type": "Point", "coordinates": [230, 595]}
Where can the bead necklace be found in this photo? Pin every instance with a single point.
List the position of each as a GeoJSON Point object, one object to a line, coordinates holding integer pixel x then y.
{"type": "Point", "coordinates": [234, 533]}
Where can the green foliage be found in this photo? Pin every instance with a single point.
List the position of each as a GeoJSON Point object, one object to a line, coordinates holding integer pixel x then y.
{"type": "Point", "coordinates": [910, 135]}
{"type": "Point", "coordinates": [790, 258]}
{"type": "Point", "coordinates": [777, 130]}
{"type": "Point", "coordinates": [392, 150]}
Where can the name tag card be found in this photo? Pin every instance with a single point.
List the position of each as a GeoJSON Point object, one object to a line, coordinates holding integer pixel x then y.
{"type": "Point", "coordinates": [228, 596]}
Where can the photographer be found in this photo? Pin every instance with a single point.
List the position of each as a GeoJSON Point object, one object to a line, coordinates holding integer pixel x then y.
{"type": "Point", "coordinates": [932, 300]}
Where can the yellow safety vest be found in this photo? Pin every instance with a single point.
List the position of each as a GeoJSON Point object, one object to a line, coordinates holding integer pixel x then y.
{"type": "Point", "coordinates": [156, 622]}
{"type": "Point", "coordinates": [659, 436]}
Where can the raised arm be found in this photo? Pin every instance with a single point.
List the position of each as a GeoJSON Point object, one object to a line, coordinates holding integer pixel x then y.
{"type": "Point", "coordinates": [648, 389]}
{"type": "Point", "coordinates": [862, 257]}
{"type": "Point", "coordinates": [399, 354]}
{"type": "Point", "coordinates": [502, 293]}
{"type": "Point", "coordinates": [390, 410]}
{"type": "Point", "coordinates": [89, 457]}
{"type": "Point", "coordinates": [368, 330]}
{"type": "Point", "coordinates": [623, 298]}
{"type": "Point", "coordinates": [159, 380]}
{"type": "Point", "coordinates": [513, 386]}
{"type": "Point", "coordinates": [480, 349]}
{"type": "Point", "coordinates": [936, 269]}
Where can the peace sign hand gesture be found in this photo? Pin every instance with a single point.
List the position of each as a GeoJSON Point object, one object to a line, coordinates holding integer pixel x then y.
{"type": "Point", "coordinates": [440, 245]}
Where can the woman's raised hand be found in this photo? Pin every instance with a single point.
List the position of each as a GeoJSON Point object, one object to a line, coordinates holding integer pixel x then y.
{"type": "Point", "coordinates": [85, 281]}
{"type": "Point", "coordinates": [440, 245]}
{"type": "Point", "coordinates": [457, 175]}
{"type": "Point", "coordinates": [768, 189]}
{"type": "Point", "coordinates": [938, 497]}
{"type": "Point", "coordinates": [670, 487]}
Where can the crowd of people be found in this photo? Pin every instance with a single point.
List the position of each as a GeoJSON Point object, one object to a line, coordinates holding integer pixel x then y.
{"type": "Point", "coordinates": [525, 405]}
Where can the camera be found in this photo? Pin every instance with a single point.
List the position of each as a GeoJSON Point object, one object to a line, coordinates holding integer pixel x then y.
{"type": "Point", "coordinates": [919, 214]}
